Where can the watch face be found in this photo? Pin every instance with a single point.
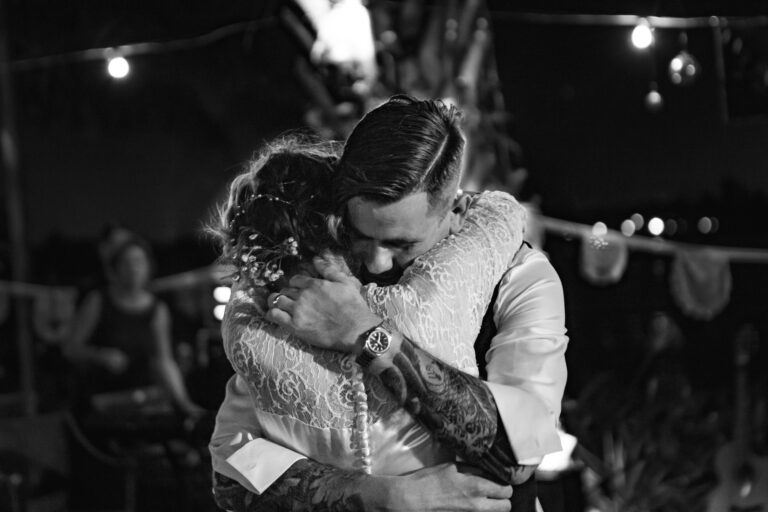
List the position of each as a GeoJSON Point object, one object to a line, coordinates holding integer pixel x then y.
{"type": "Point", "coordinates": [378, 341]}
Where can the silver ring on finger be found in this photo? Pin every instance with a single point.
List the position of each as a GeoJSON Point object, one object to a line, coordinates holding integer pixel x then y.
{"type": "Point", "coordinates": [274, 301]}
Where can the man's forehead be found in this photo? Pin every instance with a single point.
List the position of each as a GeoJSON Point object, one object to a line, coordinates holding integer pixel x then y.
{"type": "Point", "coordinates": [406, 218]}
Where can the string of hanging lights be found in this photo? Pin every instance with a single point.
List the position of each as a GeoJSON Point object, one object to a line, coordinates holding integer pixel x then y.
{"type": "Point", "coordinates": [682, 70]}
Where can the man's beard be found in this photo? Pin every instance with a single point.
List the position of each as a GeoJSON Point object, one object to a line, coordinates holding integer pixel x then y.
{"type": "Point", "coordinates": [358, 268]}
{"type": "Point", "coordinates": [384, 279]}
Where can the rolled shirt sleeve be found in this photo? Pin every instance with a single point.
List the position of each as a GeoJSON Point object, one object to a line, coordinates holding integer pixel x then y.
{"type": "Point", "coordinates": [237, 448]}
{"type": "Point", "coordinates": [526, 361]}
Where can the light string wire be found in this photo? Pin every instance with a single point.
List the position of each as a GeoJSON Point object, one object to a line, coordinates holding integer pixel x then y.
{"type": "Point", "coordinates": [631, 20]}
{"type": "Point", "coordinates": [656, 245]}
{"type": "Point", "coordinates": [143, 48]}
{"type": "Point", "coordinates": [155, 47]}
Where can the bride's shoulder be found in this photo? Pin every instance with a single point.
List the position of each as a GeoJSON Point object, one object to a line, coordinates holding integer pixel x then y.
{"type": "Point", "coordinates": [496, 204]}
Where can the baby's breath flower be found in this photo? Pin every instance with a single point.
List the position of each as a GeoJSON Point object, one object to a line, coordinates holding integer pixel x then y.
{"type": "Point", "coordinates": [262, 262]}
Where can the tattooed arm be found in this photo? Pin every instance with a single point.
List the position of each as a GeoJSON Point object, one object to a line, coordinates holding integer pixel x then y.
{"type": "Point", "coordinates": [273, 478]}
{"type": "Point", "coordinates": [309, 486]}
{"type": "Point", "coordinates": [306, 485]}
{"type": "Point", "coordinates": [458, 408]}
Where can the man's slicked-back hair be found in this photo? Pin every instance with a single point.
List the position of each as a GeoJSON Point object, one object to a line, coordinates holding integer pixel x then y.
{"type": "Point", "coordinates": [400, 148]}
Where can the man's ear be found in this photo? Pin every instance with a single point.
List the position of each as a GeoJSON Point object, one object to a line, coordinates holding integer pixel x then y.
{"type": "Point", "coordinates": [459, 212]}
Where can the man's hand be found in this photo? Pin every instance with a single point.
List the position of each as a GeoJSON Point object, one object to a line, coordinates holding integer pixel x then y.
{"type": "Point", "coordinates": [326, 312]}
{"type": "Point", "coordinates": [447, 487]}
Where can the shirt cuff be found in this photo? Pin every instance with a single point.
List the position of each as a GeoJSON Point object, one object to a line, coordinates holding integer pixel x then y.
{"type": "Point", "coordinates": [531, 431]}
{"type": "Point", "coordinates": [262, 462]}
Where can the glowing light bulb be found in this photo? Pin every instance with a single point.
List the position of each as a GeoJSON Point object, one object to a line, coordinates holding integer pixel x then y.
{"type": "Point", "coordinates": [222, 293]}
{"type": "Point", "coordinates": [655, 226]}
{"type": "Point", "coordinates": [118, 67]}
{"type": "Point", "coordinates": [638, 220]}
{"type": "Point", "coordinates": [642, 35]}
{"type": "Point", "coordinates": [599, 229]}
{"type": "Point", "coordinates": [628, 227]}
{"type": "Point", "coordinates": [654, 101]}
{"type": "Point", "coordinates": [218, 311]}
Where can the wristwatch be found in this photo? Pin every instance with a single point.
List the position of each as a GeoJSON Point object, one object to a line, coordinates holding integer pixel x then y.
{"type": "Point", "coordinates": [376, 342]}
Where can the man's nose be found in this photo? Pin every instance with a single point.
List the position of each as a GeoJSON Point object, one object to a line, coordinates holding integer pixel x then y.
{"type": "Point", "coordinates": [378, 260]}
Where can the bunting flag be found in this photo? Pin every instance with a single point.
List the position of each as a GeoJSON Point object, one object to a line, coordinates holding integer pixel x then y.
{"type": "Point", "coordinates": [603, 259]}
{"type": "Point", "coordinates": [700, 282]}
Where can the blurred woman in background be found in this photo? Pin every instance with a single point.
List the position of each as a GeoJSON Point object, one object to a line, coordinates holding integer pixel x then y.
{"type": "Point", "coordinates": [121, 340]}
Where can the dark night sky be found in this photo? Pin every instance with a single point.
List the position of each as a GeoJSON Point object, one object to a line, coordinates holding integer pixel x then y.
{"type": "Point", "coordinates": [156, 150]}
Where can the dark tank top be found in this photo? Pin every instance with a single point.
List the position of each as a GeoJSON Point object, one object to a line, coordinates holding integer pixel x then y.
{"type": "Point", "coordinates": [131, 332]}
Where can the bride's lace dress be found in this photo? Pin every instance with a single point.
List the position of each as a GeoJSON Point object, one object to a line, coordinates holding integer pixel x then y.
{"type": "Point", "coordinates": [305, 397]}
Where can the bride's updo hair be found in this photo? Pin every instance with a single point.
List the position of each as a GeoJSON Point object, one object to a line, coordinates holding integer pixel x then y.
{"type": "Point", "coordinates": [279, 212]}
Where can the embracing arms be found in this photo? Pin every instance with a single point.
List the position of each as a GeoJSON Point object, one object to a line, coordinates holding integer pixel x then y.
{"type": "Point", "coordinates": [527, 392]}
{"type": "Point", "coordinates": [457, 408]}
{"type": "Point", "coordinates": [290, 482]}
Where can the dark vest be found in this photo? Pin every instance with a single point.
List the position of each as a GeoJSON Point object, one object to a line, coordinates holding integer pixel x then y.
{"type": "Point", "coordinates": [524, 495]}
{"type": "Point", "coordinates": [487, 332]}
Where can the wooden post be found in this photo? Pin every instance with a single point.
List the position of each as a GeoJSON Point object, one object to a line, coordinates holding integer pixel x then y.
{"type": "Point", "coordinates": [9, 162]}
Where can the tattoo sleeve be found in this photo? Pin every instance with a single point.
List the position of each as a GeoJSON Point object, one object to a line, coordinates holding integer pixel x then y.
{"type": "Point", "coordinates": [457, 408]}
{"type": "Point", "coordinates": [306, 486]}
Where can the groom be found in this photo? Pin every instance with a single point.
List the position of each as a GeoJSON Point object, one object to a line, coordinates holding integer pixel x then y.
{"type": "Point", "coordinates": [399, 179]}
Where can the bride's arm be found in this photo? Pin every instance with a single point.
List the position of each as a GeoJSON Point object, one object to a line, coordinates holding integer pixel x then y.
{"type": "Point", "coordinates": [442, 297]}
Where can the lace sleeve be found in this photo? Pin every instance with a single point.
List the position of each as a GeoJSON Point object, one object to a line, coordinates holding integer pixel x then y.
{"type": "Point", "coordinates": [440, 301]}
{"type": "Point", "coordinates": [286, 376]}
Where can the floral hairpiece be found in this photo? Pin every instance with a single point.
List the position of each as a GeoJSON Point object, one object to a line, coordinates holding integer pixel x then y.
{"type": "Point", "coordinates": [257, 259]}
{"type": "Point", "coordinates": [262, 264]}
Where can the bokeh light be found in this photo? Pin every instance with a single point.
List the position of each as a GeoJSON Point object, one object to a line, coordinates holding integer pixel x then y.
{"type": "Point", "coordinates": [654, 101]}
{"type": "Point", "coordinates": [656, 226]}
{"type": "Point", "coordinates": [642, 35]}
{"type": "Point", "coordinates": [118, 67]}
{"type": "Point", "coordinates": [222, 293]}
{"type": "Point", "coordinates": [704, 225]}
{"type": "Point", "coordinates": [599, 229]}
{"type": "Point", "coordinates": [628, 227]}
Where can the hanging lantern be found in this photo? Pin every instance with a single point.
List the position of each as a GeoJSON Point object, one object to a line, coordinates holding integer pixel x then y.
{"type": "Point", "coordinates": [683, 69]}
